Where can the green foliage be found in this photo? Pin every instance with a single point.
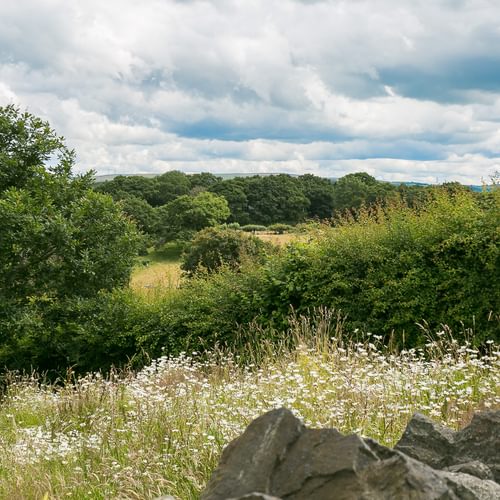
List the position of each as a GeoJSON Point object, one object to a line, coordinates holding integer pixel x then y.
{"type": "Point", "coordinates": [392, 269]}
{"type": "Point", "coordinates": [141, 212]}
{"type": "Point", "coordinates": [170, 186]}
{"type": "Point", "coordinates": [320, 193]}
{"type": "Point", "coordinates": [203, 181]}
{"type": "Point", "coordinates": [280, 228]}
{"type": "Point", "coordinates": [355, 190]}
{"type": "Point", "coordinates": [234, 191]}
{"type": "Point", "coordinates": [60, 240]}
{"type": "Point", "coordinates": [276, 198]}
{"type": "Point", "coordinates": [122, 187]}
{"type": "Point", "coordinates": [213, 247]}
{"type": "Point", "coordinates": [27, 143]}
{"type": "Point", "coordinates": [253, 228]}
{"type": "Point", "coordinates": [186, 215]}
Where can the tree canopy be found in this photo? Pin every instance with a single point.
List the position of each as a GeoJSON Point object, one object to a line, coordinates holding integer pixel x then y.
{"type": "Point", "coordinates": [58, 237]}
{"type": "Point", "coordinates": [183, 217]}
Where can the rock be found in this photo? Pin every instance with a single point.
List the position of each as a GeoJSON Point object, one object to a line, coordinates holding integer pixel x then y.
{"type": "Point", "coordinates": [256, 496]}
{"type": "Point", "coordinates": [480, 442]}
{"type": "Point", "coordinates": [474, 450]}
{"type": "Point", "coordinates": [278, 458]}
{"type": "Point", "coordinates": [474, 468]}
{"type": "Point", "coordinates": [427, 442]}
{"type": "Point", "coordinates": [315, 458]}
{"type": "Point", "coordinates": [248, 461]}
{"type": "Point", "coordinates": [469, 487]}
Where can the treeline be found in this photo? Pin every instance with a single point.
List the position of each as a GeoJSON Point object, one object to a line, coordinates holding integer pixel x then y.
{"type": "Point", "coordinates": [174, 205]}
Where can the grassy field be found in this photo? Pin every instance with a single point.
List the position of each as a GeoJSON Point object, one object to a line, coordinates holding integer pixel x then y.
{"type": "Point", "coordinates": [159, 271]}
{"type": "Point", "coordinates": [161, 431]}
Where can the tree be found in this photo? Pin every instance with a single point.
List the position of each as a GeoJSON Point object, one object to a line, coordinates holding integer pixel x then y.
{"type": "Point", "coordinates": [133, 185]}
{"type": "Point", "coordinates": [59, 238]}
{"type": "Point", "coordinates": [26, 144]}
{"type": "Point", "coordinates": [319, 192]}
{"type": "Point", "coordinates": [170, 186]}
{"type": "Point", "coordinates": [354, 190]}
{"type": "Point", "coordinates": [203, 181]}
{"type": "Point", "coordinates": [183, 217]}
{"type": "Point", "coordinates": [233, 190]}
{"type": "Point", "coordinates": [212, 247]}
{"type": "Point", "coordinates": [275, 198]}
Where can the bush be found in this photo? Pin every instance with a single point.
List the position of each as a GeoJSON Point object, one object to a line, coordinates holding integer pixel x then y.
{"type": "Point", "coordinates": [395, 268]}
{"type": "Point", "coordinates": [280, 228]}
{"type": "Point", "coordinates": [253, 228]}
{"type": "Point", "coordinates": [213, 247]}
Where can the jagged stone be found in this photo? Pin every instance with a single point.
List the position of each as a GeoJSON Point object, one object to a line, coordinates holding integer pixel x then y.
{"type": "Point", "coordinates": [247, 462]}
{"type": "Point", "coordinates": [474, 450]}
{"type": "Point", "coordinates": [278, 458]}
{"type": "Point", "coordinates": [256, 496]}
{"type": "Point", "coordinates": [467, 487]}
{"type": "Point", "coordinates": [480, 441]}
{"type": "Point", "coordinates": [428, 442]}
{"type": "Point", "coordinates": [473, 468]}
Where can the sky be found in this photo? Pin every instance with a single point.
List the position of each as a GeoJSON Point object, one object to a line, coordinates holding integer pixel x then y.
{"type": "Point", "coordinates": [406, 90]}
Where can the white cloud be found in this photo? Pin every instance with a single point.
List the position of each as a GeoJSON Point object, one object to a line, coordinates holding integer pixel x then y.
{"type": "Point", "coordinates": [256, 85]}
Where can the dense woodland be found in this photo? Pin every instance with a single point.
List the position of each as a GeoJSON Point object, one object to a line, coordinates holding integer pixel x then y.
{"type": "Point", "coordinates": [397, 261]}
{"type": "Point", "coordinates": [175, 205]}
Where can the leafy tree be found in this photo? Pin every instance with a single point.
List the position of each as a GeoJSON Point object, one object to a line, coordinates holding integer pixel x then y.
{"type": "Point", "coordinates": [233, 191]}
{"type": "Point", "coordinates": [183, 217]}
{"type": "Point", "coordinates": [134, 185]}
{"type": "Point", "coordinates": [141, 212]}
{"type": "Point", "coordinates": [320, 193]}
{"type": "Point", "coordinates": [26, 144]}
{"type": "Point", "coordinates": [212, 247]}
{"type": "Point", "coordinates": [58, 237]}
{"type": "Point", "coordinates": [354, 190]}
{"type": "Point", "coordinates": [275, 198]}
{"type": "Point", "coordinates": [170, 186]}
{"type": "Point", "coordinates": [203, 181]}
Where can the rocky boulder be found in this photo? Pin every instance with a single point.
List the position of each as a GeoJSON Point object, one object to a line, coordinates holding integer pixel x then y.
{"type": "Point", "coordinates": [277, 457]}
{"type": "Point", "coordinates": [474, 450]}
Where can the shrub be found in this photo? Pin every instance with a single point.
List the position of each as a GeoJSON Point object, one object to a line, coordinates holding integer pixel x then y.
{"type": "Point", "coordinates": [392, 269]}
{"type": "Point", "coordinates": [280, 228]}
{"type": "Point", "coordinates": [253, 228]}
{"type": "Point", "coordinates": [213, 247]}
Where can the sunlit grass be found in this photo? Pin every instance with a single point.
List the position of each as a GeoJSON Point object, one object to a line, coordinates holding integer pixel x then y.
{"type": "Point", "coordinates": [156, 276]}
{"type": "Point", "coordinates": [161, 431]}
{"type": "Point", "coordinates": [278, 239]}
{"type": "Point", "coordinates": [158, 272]}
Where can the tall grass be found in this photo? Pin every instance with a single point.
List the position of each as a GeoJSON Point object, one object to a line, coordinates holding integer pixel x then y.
{"type": "Point", "coordinates": [161, 431]}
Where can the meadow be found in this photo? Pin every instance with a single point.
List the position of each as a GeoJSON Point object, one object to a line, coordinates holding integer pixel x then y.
{"type": "Point", "coordinates": [161, 430]}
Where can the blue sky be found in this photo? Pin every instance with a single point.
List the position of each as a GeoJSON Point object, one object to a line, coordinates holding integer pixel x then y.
{"type": "Point", "coordinates": [402, 89]}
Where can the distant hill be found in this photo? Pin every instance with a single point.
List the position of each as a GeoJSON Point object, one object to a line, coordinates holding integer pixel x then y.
{"type": "Point", "coordinates": [104, 178]}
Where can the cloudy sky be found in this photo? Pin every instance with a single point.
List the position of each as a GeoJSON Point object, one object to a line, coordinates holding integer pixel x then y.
{"type": "Point", "coordinates": [402, 89]}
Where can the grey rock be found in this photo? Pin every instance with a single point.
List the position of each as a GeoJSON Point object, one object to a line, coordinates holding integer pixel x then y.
{"type": "Point", "coordinates": [473, 468]}
{"type": "Point", "coordinates": [247, 462]}
{"type": "Point", "coordinates": [428, 442]}
{"type": "Point", "coordinates": [256, 496]}
{"type": "Point", "coordinates": [468, 487]}
{"type": "Point", "coordinates": [474, 450]}
{"type": "Point", "coordinates": [278, 458]}
{"type": "Point", "coordinates": [480, 441]}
